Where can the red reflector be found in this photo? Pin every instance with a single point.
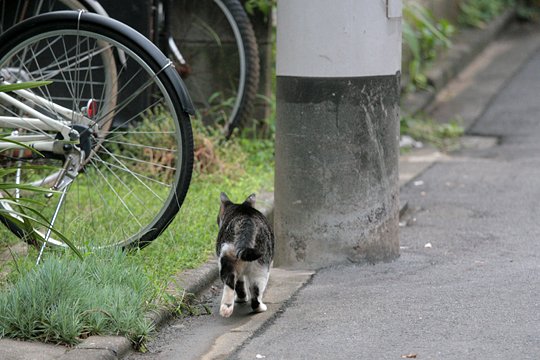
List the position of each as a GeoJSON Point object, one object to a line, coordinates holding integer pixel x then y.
{"type": "Point", "coordinates": [91, 108]}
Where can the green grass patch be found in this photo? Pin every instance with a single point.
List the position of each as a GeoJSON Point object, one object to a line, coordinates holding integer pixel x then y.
{"type": "Point", "coordinates": [65, 299]}
{"type": "Point", "coordinates": [424, 37]}
{"type": "Point", "coordinates": [239, 167]}
{"type": "Point", "coordinates": [444, 136]}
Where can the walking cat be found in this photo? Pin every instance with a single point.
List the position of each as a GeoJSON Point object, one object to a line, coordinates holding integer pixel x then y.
{"type": "Point", "coordinates": [245, 247]}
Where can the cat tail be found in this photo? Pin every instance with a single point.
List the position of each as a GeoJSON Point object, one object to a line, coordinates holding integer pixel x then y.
{"type": "Point", "coordinates": [245, 241]}
{"type": "Point", "coordinates": [248, 254]}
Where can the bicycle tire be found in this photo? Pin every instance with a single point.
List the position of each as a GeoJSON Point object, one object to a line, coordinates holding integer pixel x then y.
{"type": "Point", "coordinates": [220, 19]}
{"type": "Point", "coordinates": [132, 220]}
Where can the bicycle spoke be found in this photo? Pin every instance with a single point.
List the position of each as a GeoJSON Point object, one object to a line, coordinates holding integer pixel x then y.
{"type": "Point", "coordinates": [126, 207]}
{"type": "Point", "coordinates": [120, 165]}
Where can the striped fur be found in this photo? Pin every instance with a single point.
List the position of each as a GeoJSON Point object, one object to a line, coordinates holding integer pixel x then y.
{"type": "Point", "coordinates": [245, 247]}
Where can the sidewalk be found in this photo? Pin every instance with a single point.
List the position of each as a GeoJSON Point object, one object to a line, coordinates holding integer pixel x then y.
{"type": "Point", "coordinates": [466, 285]}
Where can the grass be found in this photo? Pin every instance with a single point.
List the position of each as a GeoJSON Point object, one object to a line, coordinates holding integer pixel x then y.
{"type": "Point", "coordinates": [64, 299]}
{"type": "Point", "coordinates": [238, 167]}
{"type": "Point", "coordinates": [444, 136]}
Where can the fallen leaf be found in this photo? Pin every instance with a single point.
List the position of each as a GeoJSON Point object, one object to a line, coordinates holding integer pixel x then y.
{"type": "Point", "coordinates": [408, 356]}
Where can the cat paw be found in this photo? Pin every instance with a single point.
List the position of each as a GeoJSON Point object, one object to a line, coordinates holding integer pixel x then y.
{"type": "Point", "coordinates": [262, 308]}
{"type": "Point", "coordinates": [226, 310]}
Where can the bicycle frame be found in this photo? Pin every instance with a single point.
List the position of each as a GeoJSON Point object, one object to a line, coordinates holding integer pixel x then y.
{"type": "Point", "coordinates": [41, 121]}
{"type": "Point", "coordinates": [45, 142]}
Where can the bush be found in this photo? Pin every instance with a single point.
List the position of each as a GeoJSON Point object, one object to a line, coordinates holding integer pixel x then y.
{"type": "Point", "coordinates": [423, 36]}
{"type": "Point", "coordinates": [476, 13]}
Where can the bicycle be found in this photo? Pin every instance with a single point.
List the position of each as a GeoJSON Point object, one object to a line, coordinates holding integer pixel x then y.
{"type": "Point", "coordinates": [217, 57]}
{"type": "Point", "coordinates": [110, 138]}
{"type": "Point", "coordinates": [221, 69]}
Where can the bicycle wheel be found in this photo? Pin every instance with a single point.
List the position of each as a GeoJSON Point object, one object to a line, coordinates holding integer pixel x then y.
{"type": "Point", "coordinates": [217, 41]}
{"type": "Point", "coordinates": [139, 154]}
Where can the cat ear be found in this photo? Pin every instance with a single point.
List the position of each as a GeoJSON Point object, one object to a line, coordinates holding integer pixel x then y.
{"type": "Point", "coordinates": [250, 200]}
{"type": "Point", "coordinates": [224, 202]}
{"type": "Point", "coordinates": [224, 198]}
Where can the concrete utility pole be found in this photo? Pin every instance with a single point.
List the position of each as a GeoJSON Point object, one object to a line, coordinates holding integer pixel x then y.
{"type": "Point", "coordinates": [337, 131]}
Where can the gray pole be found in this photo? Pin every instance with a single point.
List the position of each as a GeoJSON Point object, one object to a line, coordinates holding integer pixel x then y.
{"type": "Point", "coordinates": [337, 131]}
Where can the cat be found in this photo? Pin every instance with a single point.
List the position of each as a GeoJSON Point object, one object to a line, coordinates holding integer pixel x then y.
{"type": "Point", "coordinates": [245, 248]}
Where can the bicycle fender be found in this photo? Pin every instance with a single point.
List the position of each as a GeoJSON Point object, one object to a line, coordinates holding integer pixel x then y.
{"type": "Point", "coordinates": [180, 86]}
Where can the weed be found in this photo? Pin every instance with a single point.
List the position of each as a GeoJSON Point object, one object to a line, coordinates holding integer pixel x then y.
{"type": "Point", "coordinates": [423, 36]}
{"type": "Point", "coordinates": [443, 136]}
{"type": "Point", "coordinates": [264, 6]}
{"type": "Point", "coordinates": [477, 13]}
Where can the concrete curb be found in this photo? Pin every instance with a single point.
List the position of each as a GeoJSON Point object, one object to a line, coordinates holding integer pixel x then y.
{"type": "Point", "coordinates": [100, 347]}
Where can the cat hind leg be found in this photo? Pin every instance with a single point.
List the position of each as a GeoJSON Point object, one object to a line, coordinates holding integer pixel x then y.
{"type": "Point", "coordinates": [257, 288]}
{"type": "Point", "coordinates": [241, 294]}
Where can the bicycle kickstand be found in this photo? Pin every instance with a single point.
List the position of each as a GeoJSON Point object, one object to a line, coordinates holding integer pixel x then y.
{"type": "Point", "coordinates": [66, 176]}
{"type": "Point", "coordinates": [51, 224]}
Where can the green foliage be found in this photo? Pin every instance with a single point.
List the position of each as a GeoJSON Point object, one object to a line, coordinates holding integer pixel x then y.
{"type": "Point", "coordinates": [64, 300]}
{"type": "Point", "coordinates": [528, 10]}
{"type": "Point", "coordinates": [264, 6]}
{"type": "Point", "coordinates": [443, 135]}
{"type": "Point", "coordinates": [24, 85]}
{"type": "Point", "coordinates": [477, 13]}
{"type": "Point", "coordinates": [423, 36]}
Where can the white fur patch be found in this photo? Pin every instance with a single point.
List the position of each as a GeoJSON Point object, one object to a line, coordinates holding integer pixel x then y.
{"type": "Point", "coordinates": [227, 302]}
{"type": "Point", "coordinates": [262, 308]}
{"type": "Point", "coordinates": [227, 248]}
